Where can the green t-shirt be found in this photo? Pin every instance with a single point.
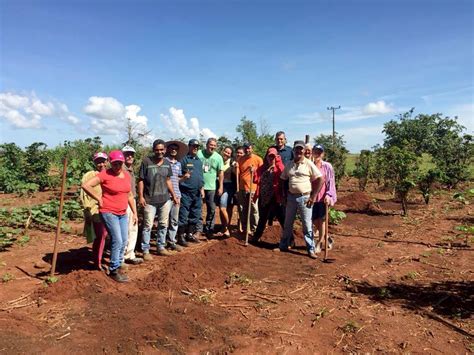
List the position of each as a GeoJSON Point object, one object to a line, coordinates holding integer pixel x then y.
{"type": "Point", "coordinates": [211, 165]}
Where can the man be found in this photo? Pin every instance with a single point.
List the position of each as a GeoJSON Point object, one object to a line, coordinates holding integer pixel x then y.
{"type": "Point", "coordinates": [212, 167]}
{"type": "Point", "coordinates": [191, 187]}
{"type": "Point", "coordinates": [248, 164]}
{"type": "Point", "coordinates": [284, 151]}
{"type": "Point", "coordinates": [175, 150]}
{"type": "Point", "coordinates": [130, 257]}
{"type": "Point", "coordinates": [154, 189]}
{"type": "Point", "coordinates": [304, 182]}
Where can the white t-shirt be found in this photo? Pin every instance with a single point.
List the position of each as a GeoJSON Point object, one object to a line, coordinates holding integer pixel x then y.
{"type": "Point", "coordinates": [300, 175]}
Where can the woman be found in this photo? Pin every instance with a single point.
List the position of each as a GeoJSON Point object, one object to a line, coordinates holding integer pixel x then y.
{"type": "Point", "coordinates": [327, 195]}
{"type": "Point", "coordinates": [267, 178]}
{"type": "Point", "coordinates": [230, 186]}
{"type": "Point", "coordinates": [94, 229]}
{"type": "Point", "coordinates": [307, 151]}
{"type": "Point", "coordinates": [116, 195]}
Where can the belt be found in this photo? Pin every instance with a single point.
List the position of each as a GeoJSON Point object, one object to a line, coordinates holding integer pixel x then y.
{"type": "Point", "coordinates": [300, 194]}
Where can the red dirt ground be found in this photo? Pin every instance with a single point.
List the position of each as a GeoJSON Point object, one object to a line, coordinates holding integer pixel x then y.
{"type": "Point", "coordinates": [394, 284]}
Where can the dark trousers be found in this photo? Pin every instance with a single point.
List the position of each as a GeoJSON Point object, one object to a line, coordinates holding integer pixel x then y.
{"type": "Point", "coordinates": [270, 210]}
{"type": "Point", "coordinates": [190, 208]}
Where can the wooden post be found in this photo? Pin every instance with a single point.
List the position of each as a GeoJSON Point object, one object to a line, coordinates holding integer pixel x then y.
{"type": "Point", "coordinates": [326, 232]}
{"type": "Point", "coordinates": [60, 217]}
{"type": "Point", "coordinates": [247, 227]}
{"type": "Point", "coordinates": [306, 138]}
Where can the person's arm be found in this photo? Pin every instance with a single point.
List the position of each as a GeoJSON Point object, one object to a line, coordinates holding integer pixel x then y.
{"type": "Point", "coordinates": [133, 205]}
{"type": "Point", "coordinates": [331, 195]}
{"type": "Point", "coordinates": [316, 186]}
{"type": "Point", "coordinates": [220, 190]}
{"type": "Point", "coordinates": [88, 188]}
{"type": "Point", "coordinates": [141, 198]}
{"type": "Point", "coordinates": [169, 184]}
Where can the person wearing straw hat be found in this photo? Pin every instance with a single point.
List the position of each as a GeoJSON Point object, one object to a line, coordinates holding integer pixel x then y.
{"type": "Point", "coordinates": [327, 196]}
{"type": "Point", "coordinates": [94, 228]}
{"type": "Point", "coordinates": [175, 151]}
{"type": "Point", "coordinates": [116, 196]}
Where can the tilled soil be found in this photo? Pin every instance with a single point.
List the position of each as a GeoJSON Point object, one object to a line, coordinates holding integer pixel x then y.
{"type": "Point", "coordinates": [391, 284]}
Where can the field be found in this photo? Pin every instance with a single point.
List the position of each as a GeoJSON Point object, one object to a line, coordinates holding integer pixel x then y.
{"type": "Point", "coordinates": [392, 284]}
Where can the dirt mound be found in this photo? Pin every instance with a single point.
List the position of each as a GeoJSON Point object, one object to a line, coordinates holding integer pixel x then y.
{"type": "Point", "coordinates": [359, 202]}
{"type": "Point", "coordinates": [76, 284]}
{"type": "Point", "coordinates": [210, 267]}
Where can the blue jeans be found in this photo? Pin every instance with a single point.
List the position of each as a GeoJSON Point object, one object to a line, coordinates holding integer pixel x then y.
{"type": "Point", "coordinates": [210, 200]}
{"type": "Point", "coordinates": [149, 214]}
{"type": "Point", "coordinates": [173, 223]}
{"type": "Point", "coordinates": [297, 204]}
{"type": "Point", "coordinates": [117, 227]}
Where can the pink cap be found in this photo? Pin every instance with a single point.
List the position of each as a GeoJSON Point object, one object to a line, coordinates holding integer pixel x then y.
{"type": "Point", "coordinates": [272, 151]}
{"type": "Point", "coordinates": [100, 155]}
{"type": "Point", "coordinates": [116, 155]}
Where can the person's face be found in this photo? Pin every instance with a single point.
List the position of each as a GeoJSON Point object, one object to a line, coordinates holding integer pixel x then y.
{"type": "Point", "coordinates": [307, 153]}
{"type": "Point", "coordinates": [116, 166]}
{"type": "Point", "coordinates": [280, 140]}
{"type": "Point", "coordinates": [239, 153]}
{"type": "Point", "coordinates": [172, 150]}
{"type": "Point", "coordinates": [248, 150]}
{"type": "Point", "coordinates": [299, 152]}
{"type": "Point", "coordinates": [129, 158]}
{"type": "Point", "coordinates": [270, 158]}
{"type": "Point", "coordinates": [100, 164]}
{"type": "Point", "coordinates": [193, 149]}
{"type": "Point", "coordinates": [211, 146]}
{"type": "Point", "coordinates": [226, 153]}
{"type": "Point", "coordinates": [159, 151]}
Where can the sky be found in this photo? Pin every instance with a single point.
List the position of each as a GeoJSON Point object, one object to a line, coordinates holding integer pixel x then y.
{"type": "Point", "coordinates": [179, 69]}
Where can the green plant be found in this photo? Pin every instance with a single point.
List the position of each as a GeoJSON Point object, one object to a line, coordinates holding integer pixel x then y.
{"type": "Point", "coordinates": [384, 293]}
{"type": "Point", "coordinates": [334, 153]}
{"type": "Point", "coordinates": [412, 275]}
{"type": "Point", "coordinates": [321, 314]}
{"type": "Point", "coordinates": [465, 229]}
{"type": "Point", "coordinates": [235, 278]}
{"type": "Point", "coordinates": [51, 280]}
{"type": "Point", "coordinates": [350, 327]}
{"type": "Point", "coordinates": [335, 216]}
{"type": "Point", "coordinates": [22, 241]}
{"type": "Point", "coordinates": [8, 235]}
{"type": "Point", "coordinates": [363, 167]}
{"type": "Point", "coordinates": [464, 197]}
{"type": "Point", "coordinates": [7, 277]}
{"type": "Point", "coordinates": [425, 182]}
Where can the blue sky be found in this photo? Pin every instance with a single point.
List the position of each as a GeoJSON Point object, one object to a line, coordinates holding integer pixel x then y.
{"type": "Point", "coordinates": [76, 69]}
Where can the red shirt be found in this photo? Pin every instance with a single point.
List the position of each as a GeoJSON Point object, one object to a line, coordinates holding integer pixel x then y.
{"type": "Point", "coordinates": [115, 191]}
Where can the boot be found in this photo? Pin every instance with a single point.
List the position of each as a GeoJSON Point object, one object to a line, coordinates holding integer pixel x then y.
{"type": "Point", "coordinates": [181, 237]}
{"type": "Point", "coordinates": [116, 276]}
{"type": "Point", "coordinates": [193, 235]}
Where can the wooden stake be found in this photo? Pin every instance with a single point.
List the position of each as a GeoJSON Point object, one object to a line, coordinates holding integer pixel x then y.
{"type": "Point", "coordinates": [247, 227]}
{"type": "Point", "coordinates": [60, 217]}
{"type": "Point", "coordinates": [326, 232]}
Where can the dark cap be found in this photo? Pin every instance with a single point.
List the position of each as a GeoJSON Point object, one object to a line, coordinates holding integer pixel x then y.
{"type": "Point", "coordinates": [247, 144]}
{"type": "Point", "coordinates": [193, 141]}
{"type": "Point", "coordinates": [318, 147]}
{"type": "Point", "coordinates": [297, 144]}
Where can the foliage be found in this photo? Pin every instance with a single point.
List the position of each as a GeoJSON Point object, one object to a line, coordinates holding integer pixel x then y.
{"type": "Point", "coordinates": [363, 168]}
{"type": "Point", "coordinates": [248, 131]}
{"type": "Point", "coordinates": [335, 154]}
{"type": "Point", "coordinates": [7, 277]}
{"type": "Point", "coordinates": [464, 197]}
{"type": "Point", "coordinates": [8, 236]}
{"type": "Point", "coordinates": [425, 182]}
{"type": "Point", "coordinates": [335, 216]}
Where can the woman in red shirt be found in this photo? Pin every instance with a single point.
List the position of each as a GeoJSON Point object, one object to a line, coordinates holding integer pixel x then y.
{"type": "Point", "coordinates": [116, 195]}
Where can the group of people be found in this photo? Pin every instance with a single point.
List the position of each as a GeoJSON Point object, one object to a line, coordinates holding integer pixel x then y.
{"type": "Point", "coordinates": [174, 181]}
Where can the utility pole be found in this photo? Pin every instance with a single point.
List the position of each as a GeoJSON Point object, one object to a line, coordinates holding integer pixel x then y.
{"type": "Point", "coordinates": [333, 109]}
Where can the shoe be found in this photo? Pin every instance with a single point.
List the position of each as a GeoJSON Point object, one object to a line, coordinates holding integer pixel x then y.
{"type": "Point", "coordinates": [164, 252]}
{"type": "Point", "coordinates": [198, 235]}
{"type": "Point", "coordinates": [134, 261]}
{"type": "Point", "coordinates": [123, 266]}
{"type": "Point", "coordinates": [175, 247]}
{"type": "Point", "coordinates": [147, 257]}
{"type": "Point", "coordinates": [116, 276]}
{"type": "Point", "coordinates": [317, 250]}
{"type": "Point", "coordinates": [182, 242]}
{"type": "Point", "coordinates": [192, 238]}
{"type": "Point", "coordinates": [281, 250]}
{"type": "Point", "coordinates": [330, 243]}
{"type": "Point", "coordinates": [254, 240]}
{"type": "Point", "coordinates": [312, 255]}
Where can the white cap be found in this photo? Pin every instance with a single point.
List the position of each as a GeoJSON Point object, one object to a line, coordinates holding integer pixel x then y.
{"type": "Point", "coordinates": [128, 148]}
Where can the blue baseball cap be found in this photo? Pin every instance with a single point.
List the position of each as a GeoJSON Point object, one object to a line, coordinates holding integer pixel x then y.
{"type": "Point", "coordinates": [193, 141]}
{"type": "Point", "coordinates": [318, 147]}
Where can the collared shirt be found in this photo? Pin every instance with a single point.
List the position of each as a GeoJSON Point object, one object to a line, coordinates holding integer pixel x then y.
{"type": "Point", "coordinates": [245, 163]}
{"type": "Point", "coordinates": [176, 169]}
{"type": "Point", "coordinates": [300, 175]}
{"type": "Point", "coordinates": [193, 165]}
{"type": "Point", "coordinates": [329, 186]}
{"type": "Point", "coordinates": [212, 165]}
{"type": "Point", "coordinates": [154, 179]}
{"type": "Point", "coordinates": [133, 179]}
{"type": "Point", "coordinates": [286, 153]}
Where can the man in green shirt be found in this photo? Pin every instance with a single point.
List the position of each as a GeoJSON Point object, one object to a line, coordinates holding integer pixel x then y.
{"type": "Point", "coordinates": [212, 168]}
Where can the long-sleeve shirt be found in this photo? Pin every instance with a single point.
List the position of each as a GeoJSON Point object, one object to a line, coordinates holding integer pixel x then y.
{"type": "Point", "coordinates": [329, 186]}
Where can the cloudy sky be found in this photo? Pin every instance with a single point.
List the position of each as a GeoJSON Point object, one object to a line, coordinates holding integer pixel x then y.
{"type": "Point", "coordinates": [80, 68]}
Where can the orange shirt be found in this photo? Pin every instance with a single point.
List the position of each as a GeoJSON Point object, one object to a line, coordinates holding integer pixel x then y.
{"type": "Point", "coordinates": [245, 163]}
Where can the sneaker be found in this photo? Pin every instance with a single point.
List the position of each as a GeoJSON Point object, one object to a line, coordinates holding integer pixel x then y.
{"type": "Point", "coordinates": [330, 243]}
{"type": "Point", "coordinates": [116, 276]}
{"type": "Point", "coordinates": [192, 238]}
{"type": "Point", "coordinates": [147, 257]}
{"type": "Point", "coordinates": [134, 261]}
{"type": "Point", "coordinates": [164, 252]}
{"type": "Point", "coordinates": [175, 247]}
{"type": "Point", "coordinates": [312, 255]}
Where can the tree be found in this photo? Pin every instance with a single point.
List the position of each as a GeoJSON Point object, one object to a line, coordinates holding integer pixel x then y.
{"type": "Point", "coordinates": [363, 168]}
{"type": "Point", "coordinates": [335, 154]}
{"type": "Point", "coordinates": [248, 131]}
{"type": "Point", "coordinates": [426, 181]}
{"type": "Point", "coordinates": [38, 163]}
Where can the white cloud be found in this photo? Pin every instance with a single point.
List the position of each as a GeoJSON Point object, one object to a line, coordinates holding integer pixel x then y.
{"type": "Point", "coordinates": [465, 114]}
{"type": "Point", "coordinates": [28, 111]}
{"type": "Point", "coordinates": [178, 124]}
{"type": "Point", "coordinates": [377, 108]}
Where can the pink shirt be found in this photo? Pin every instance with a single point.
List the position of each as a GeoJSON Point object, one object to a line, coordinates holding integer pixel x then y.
{"type": "Point", "coordinates": [115, 192]}
{"type": "Point", "coordinates": [329, 186]}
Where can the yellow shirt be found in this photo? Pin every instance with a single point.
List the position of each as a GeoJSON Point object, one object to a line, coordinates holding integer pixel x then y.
{"type": "Point", "coordinates": [88, 203]}
{"type": "Point", "coordinates": [300, 175]}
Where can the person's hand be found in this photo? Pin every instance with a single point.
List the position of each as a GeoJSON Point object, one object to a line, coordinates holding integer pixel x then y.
{"type": "Point", "coordinates": [327, 200]}
{"type": "Point", "coordinates": [220, 191]}
{"type": "Point", "coordinates": [310, 202]}
{"type": "Point", "coordinates": [202, 193]}
{"type": "Point", "coordinates": [254, 197]}
{"type": "Point", "coordinates": [142, 201]}
{"type": "Point", "coordinates": [176, 200]}
{"type": "Point", "coordinates": [101, 202]}
{"type": "Point", "coordinates": [187, 175]}
{"type": "Point", "coordinates": [134, 219]}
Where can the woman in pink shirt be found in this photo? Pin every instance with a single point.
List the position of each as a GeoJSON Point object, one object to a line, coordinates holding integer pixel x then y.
{"type": "Point", "coordinates": [116, 196]}
{"type": "Point", "coordinates": [327, 195]}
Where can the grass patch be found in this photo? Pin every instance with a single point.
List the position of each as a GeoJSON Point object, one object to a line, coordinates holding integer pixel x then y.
{"type": "Point", "coordinates": [235, 278]}
{"type": "Point", "coordinates": [412, 275]}
{"type": "Point", "coordinates": [7, 277]}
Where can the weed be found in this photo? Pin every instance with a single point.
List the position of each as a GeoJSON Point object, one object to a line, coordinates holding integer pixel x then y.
{"type": "Point", "coordinates": [51, 280]}
{"type": "Point", "coordinates": [412, 275]}
{"type": "Point", "coordinates": [321, 314]}
{"type": "Point", "coordinates": [235, 278]}
{"type": "Point", "coordinates": [206, 296]}
{"type": "Point", "coordinates": [380, 245]}
{"type": "Point", "coordinates": [7, 277]}
{"type": "Point", "coordinates": [384, 293]}
{"type": "Point", "coordinates": [22, 241]}
{"type": "Point", "coordinates": [465, 229]}
{"type": "Point", "coordinates": [440, 251]}
{"type": "Point", "coordinates": [335, 216]}
{"type": "Point", "coordinates": [350, 327]}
